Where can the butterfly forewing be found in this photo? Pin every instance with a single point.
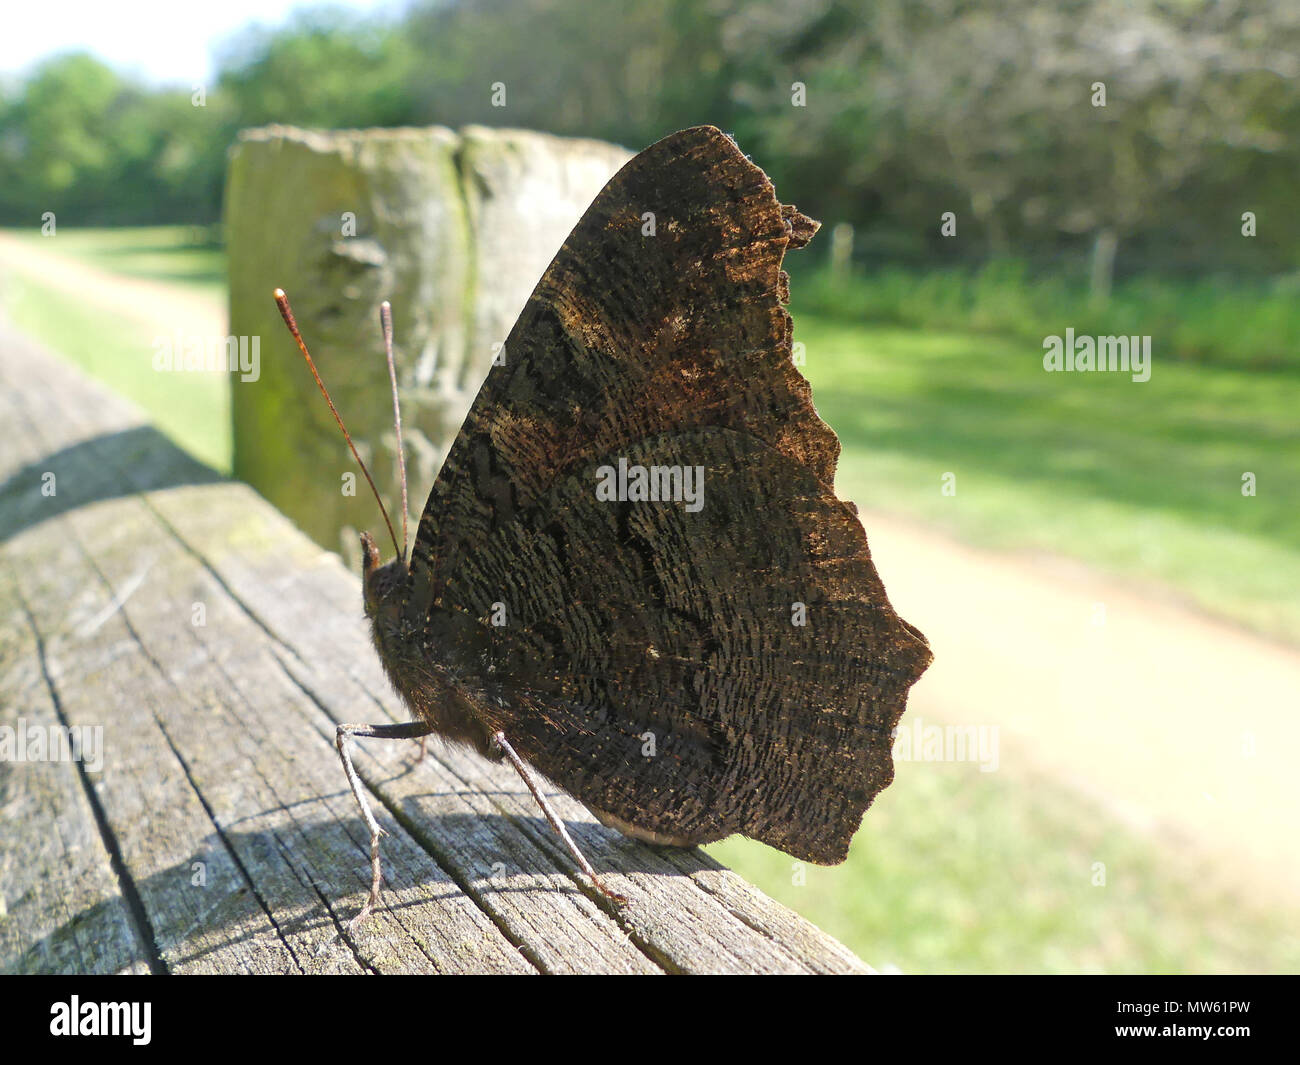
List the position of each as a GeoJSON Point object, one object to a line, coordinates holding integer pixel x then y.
{"type": "Point", "coordinates": [640, 325]}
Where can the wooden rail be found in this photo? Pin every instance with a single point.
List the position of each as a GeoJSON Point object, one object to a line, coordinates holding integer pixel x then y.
{"type": "Point", "coordinates": [214, 647]}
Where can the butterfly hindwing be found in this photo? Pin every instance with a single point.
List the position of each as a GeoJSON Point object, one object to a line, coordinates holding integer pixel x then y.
{"type": "Point", "coordinates": [697, 673]}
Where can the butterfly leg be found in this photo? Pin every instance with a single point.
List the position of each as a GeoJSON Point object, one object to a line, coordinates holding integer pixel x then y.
{"type": "Point", "coordinates": [409, 731]}
{"type": "Point", "coordinates": [502, 744]}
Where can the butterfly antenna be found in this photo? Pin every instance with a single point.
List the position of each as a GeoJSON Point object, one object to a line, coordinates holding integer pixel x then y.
{"type": "Point", "coordinates": [282, 301]}
{"type": "Point", "coordinates": [386, 322]}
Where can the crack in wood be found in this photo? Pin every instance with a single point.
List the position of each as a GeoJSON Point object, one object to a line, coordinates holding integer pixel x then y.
{"type": "Point", "coordinates": [126, 884]}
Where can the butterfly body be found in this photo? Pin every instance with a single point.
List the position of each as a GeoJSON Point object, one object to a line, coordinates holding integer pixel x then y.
{"type": "Point", "coordinates": [713, 653]}
{"type": "Point", "coordinates": [434, 662]}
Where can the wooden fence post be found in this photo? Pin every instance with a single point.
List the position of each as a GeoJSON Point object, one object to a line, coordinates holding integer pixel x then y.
{"type": "Point", "coordinates": [453, 228]}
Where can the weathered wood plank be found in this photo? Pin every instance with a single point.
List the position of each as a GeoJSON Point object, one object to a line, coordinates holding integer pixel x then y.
{"type": "Point", "coordinates": [62, 908]}
{"type": "Point", "coordinates": [220, 755]}
{"type": "Point", "coordinates": [192, 782]}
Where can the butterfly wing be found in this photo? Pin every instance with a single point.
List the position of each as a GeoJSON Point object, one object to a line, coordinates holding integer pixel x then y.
{"type": "Point", "coordinates": [697, 673]}
{"type": "Point", "coordinates": [691, 671]}
{"type": "Point", "coordinates": [660, 312]}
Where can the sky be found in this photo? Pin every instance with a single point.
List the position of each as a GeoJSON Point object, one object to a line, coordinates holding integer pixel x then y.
{"type": "Point", "coordinates": [162, 42]}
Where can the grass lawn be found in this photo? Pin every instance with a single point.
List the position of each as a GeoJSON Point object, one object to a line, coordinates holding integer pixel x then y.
{"type": "Point", "coordinates": [1220, 321]}
{"type": "Point", "coordinates": [193, 409]}
{"type": "Point", "coordinates": [950, 873]}
{"type": "Point", "coordinates": [179, 255]}
{"type": "Point", "coordinates": [1143, 480]}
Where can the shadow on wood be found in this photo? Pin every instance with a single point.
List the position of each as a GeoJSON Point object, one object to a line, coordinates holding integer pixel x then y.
{"type": "Point", "coordinates": [25, 495]}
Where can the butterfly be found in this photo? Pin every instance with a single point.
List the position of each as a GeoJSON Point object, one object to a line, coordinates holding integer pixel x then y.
{"type": "Point", "coordinates": [632, 574]}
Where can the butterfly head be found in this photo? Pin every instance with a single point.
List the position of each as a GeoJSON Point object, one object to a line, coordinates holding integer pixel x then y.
{"type": "Point", "coordinates": [384, 587]}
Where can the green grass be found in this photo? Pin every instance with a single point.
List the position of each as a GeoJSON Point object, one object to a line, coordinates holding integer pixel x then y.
{"type": "Point", "coordinates": [180, 255]}
{"type": "Point", "coordinates": [193, 409]}
{"type": "Point", "coordinates": [954, 872]}
{"type": "Point", "coordinates": [1219, 321]}
{"type": "Point", "coordinates": [1143, 480]}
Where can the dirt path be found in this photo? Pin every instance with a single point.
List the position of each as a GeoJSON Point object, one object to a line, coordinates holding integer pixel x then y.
{"type": "Point", "coordinates": [166, 309]}
{"type": "Point", "coordinates": [1184, 727]}
{"type": "Point", "coordinates": [1181, 725]}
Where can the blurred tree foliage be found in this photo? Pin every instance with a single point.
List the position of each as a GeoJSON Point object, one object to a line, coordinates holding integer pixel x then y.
{"type": "Point", "coordinates": [883, 113]}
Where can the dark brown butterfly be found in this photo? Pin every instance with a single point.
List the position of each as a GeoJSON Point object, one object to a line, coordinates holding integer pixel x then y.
{"type": "Point", "coordinates": [634, 543]}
